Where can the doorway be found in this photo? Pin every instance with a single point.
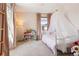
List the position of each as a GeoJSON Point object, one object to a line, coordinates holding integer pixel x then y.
{"type": "Point", "coordinates": [43, 22]}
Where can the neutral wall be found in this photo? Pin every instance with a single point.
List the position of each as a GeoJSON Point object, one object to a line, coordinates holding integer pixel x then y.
{"type": "Point", "coordinates": [74, 17]}
{"type": "Point", "coordinates": [25, 21]}
{"type": "Point", "coordinates": [73, 13]}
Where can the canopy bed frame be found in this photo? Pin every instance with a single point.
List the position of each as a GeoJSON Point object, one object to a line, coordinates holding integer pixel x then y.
{"type": "Point", "coordinates": [59, 35]}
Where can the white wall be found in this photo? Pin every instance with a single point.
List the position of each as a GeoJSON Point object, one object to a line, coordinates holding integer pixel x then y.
{"type": "Point", "coordinates": [73, 13]}
{"type": "Point", "coordinates": [74, 17]}
{"type": "Point", "coordinates": [24, 21]}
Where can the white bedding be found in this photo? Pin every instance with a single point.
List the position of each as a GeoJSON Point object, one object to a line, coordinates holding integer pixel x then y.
{"type": "Point", "coordinates": [50, 40]}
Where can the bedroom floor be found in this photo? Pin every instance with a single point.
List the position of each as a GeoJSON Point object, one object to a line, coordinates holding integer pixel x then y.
{"type": "Point", "coordinates": [31, 48]}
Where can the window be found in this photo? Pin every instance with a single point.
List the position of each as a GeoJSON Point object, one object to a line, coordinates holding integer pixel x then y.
{"type": "Point", "coordinates": [44, 23]}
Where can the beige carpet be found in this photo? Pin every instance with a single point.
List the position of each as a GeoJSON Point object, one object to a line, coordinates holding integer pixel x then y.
{"type": "Point", "coordinates": [31, 48]}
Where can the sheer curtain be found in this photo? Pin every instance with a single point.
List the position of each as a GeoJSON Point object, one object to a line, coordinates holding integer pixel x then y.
{"type": "Point", "coordinates": [61, 30]}
{"type": "Point", "coordinates": [10, 25]}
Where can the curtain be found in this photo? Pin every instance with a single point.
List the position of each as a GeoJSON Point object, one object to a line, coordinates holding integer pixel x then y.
{"type": "Point", "coordinates": [49, 17]}
{"type": "Point", "coordinates": [64, 30]}
{"type": "Point", "coordinates": [39, 25]}
{"type": "Point", "coordinates": [10, 23]}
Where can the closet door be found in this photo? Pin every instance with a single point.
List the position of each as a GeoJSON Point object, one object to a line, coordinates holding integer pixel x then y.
{"type": "Point", "coordinates": [3, 31]}
{"type": "Point", "coordinates": [1, 34]}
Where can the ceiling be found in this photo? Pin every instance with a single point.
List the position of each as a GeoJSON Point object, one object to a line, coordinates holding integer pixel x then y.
{"type": "Point", "coordinates": [45, 7]}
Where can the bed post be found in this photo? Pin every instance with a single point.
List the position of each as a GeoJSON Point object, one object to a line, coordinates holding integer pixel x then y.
{"type": "Point", "coordinates": [56, 43]}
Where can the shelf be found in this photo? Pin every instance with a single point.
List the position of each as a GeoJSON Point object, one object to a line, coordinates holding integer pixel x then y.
{"type": "Point", "coordinates": [2, 12]}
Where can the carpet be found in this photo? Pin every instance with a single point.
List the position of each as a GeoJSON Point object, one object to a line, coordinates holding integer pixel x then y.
{"type": "Point", "coordinates": [31, 48]}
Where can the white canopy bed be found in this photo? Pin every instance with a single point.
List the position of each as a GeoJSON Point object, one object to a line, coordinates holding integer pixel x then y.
{"type": "Point", "coordinates": [61, 32]}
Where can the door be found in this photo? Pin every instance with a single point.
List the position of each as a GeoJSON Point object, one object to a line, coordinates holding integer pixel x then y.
{"type": "Point", "coordinates": [4, 48]}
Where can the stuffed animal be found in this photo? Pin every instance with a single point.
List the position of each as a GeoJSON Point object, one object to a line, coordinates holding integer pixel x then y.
{"type": "Point", "coordinates": [75, 49]}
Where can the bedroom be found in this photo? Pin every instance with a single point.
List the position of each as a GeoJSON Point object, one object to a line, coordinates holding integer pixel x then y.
{"type": "Point", "coordinates": [43, 29]}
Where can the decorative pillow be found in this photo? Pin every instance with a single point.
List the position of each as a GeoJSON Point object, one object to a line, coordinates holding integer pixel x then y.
{"type": "Point", "coordinates": [75, 50]}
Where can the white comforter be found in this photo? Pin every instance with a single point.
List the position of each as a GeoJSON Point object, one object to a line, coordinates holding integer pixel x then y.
{"type": "Point", "coordinates": [50, 41]}
{"type": "Point", "coordinates": [60, 44]}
